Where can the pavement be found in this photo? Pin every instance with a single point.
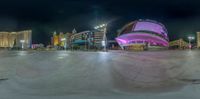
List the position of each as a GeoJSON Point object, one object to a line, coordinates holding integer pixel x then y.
{"type": "Point", "coordinates": [100, 75]}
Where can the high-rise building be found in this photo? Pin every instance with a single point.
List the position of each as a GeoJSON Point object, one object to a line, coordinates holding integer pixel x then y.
{"type": "Point", "coordinates": [14, 39]}
{"type": "Point", "coordinates": [198, 39]}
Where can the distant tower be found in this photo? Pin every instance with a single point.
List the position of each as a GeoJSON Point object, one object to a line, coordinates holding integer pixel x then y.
{"type": "Point", "coordinates": [198, 39]}
{"type": "Point", "coordinates": [74, 31]}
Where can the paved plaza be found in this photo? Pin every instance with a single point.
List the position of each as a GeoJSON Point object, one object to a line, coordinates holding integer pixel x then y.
{"type": "Point", "coordinates": [100, 75]}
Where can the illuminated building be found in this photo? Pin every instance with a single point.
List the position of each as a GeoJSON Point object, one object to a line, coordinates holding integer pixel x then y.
{"type": "Point", "coordinates": [68, 37]}
{"type": "Point", "coordinates": [178, 44]}
{"type": "Point", "coordinates": [80, 38]}
{"type": "Point", "coordinates": [88, 39]}
{"type": "Point", "coordinates": [143, 34]}
{"type": "Point", "coordinates": [62, 40]}
{"type": "Point", "coordinates": [98, 37]}
{"type": "Point", "coordinates": [85, 39]}
{"type": "Point", "coordinates": [55, 39]}
{"type": "Point", "coordinates": [12, 39]}
{"type": "Point", "coordinates": [198, 39]}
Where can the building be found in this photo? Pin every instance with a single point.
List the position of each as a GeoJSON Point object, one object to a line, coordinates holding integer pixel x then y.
{"type": "Point", "coordinates": [142, 35]}
{"type": "Point", "coordinates": [98, 38]}
{"type": "Point", "coordinates": [81, 40]}
{"type": "Point", "coordinates": [68, 39]}
{"type": "Point", "coordinates": [55, 39]}
{"type": "Point", "coordinates": [61, 40]}
{"type": "Point", "coordinates": [178, 44]}
{"type": "Point", "coordinates": [16, 39]}
{"type": "Point", "coordinates": [198, 39]}
{"type": "Point", "coordinates": [87, 39]}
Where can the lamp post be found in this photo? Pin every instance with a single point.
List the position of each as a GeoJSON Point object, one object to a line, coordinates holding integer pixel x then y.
{"type": "Point", "coordinates": [22, 41]}
{"type": "Point", "coordinates": [190, 38]}
{"type": "Point", "coordinates": [103, 27]}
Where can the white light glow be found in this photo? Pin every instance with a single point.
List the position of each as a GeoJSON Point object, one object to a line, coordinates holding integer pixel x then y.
{"type": "Point", "coordinates": [22, 41]}
{"type": "Point", "coordinates": [191, 38]}
{"type": "Point", "coordinates": [63, 39]}
{"type": "Point", "coordinates": [103, 43]}
{"type": "Point", "coordinates": [101, 26]}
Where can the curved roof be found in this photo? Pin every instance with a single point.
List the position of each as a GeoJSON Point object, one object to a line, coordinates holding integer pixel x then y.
{"type": "Point", "coordinates": [145, 25]}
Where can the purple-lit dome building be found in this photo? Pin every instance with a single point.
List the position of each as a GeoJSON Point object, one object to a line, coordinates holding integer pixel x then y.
{"type": "Point", "coordinates": [143, 32]}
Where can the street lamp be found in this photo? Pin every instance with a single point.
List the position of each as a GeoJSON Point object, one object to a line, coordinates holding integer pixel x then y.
{"type": "Point", "coordinates": [190, 38]}
{"type": "Point", "coordinates": [22, 41]}
{"type": "Point", "coordinates": [103, 27]}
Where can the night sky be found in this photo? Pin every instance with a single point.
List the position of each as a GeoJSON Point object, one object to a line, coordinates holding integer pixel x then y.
{"type": "Point", "coordinates": [181, 17]}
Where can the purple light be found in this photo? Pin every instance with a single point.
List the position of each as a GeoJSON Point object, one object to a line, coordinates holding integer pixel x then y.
{"type": "Point", "coordinates": [149, 26]}
{"type": "Point", "coordinates": [121, 40]}
{"type": "Point", "coordinates": [190, 46]}
{"type": "Point", "coordinates": [124, 39]}
{"type": "Point", "coordinates": [139, 36]}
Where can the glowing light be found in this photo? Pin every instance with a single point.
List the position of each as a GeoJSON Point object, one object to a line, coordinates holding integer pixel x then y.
{"type": "Point", "coordinates": [100, 26]}
{"type": "Point", "coordinates": [191, 38]}
{"type": "Point", "coordinates": [22, 41]}
{"type": "Point", "coordinates": [63, 39]}
{"type": "Point", "coordinates": [121, 40]}
{"type": "Point", "coordinates": [95, 27]}
{"type": "Point", "coordinates": [137, 37]}
{"type": "Point", "coordinates": [143, 31]}
{"type": "Point", "coordinates": [103, 43]}
{"type": "Point", "coordinates": [149, 26]}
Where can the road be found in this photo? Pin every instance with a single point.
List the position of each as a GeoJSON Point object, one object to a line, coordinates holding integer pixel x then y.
{"type": "Point", "coordinates": [99, 75]}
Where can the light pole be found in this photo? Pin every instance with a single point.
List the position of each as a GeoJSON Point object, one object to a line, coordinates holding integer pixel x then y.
{"type": "Point", "coordinates": [103, 27]}
{"type": "Point", "coordinates": [190, 38]}
{"type": "Point", "coordinates": [22, 42]}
